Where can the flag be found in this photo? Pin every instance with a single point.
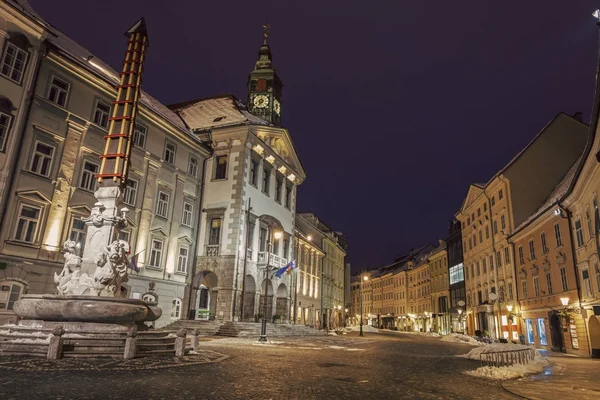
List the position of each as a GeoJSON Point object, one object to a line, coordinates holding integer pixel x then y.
{"type": "Point", "coordinates": [133, 262]}
{"type": "Point", "coordinates": [288, 268]}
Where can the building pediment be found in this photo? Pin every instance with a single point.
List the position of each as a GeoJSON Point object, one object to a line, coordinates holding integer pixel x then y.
{"type": "Point", "coordinates": [277, 144]}
{"type": "Point", "coordinates": [474, 192]}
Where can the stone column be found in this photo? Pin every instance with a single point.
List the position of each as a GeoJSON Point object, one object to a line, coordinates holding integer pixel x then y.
{"type": "Point", "coordinates": [63, 187]}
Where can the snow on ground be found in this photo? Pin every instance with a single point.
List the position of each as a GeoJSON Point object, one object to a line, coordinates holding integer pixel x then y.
{"type": "Point", "coordinates": [366, 328]}
{"type": "Point", "coordinates": [502, 373]}
{"type": "Point", "coordinates": [459, 338]}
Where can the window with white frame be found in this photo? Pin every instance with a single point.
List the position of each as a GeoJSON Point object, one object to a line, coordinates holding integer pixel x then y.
{"type": "Point", "coordinates": [41, 162]}
{"type": "Point", "coordinates": [193, 167]}
{"type": "Point", "coordinates": [253, 171]}
{"type": "Point", "coordinates": [10, 292]}
{"type": "Point", "coordinates": [124, 235]}
{"type": "Point", "coordinates": [182, 260]}
{"type": "Point", "coordinates": [88, 176]}
{"type": "Point", "coordinates": [544, 243]}
{"type": "Point", "coordinates": [58, 91]}
{"type": "Point", "coordinates": [506, 255]}
{"type": "Point", "coordinates": [536, 286]}
{"type": "Point", "coordinates": [521, 256]}
{"type": "Point", "coordinates": [130, 194]}
{"type": "Point", "coordinates": [170, 149]}
{"type": "Point", "coordinates": [156, 253]}
{"type": "Point", "coordinates": [78, 231]}
{"type": "Point", "coordinates": [221, 166]}
{"type": "Point", "coordinates": [14, 61]}
{"type": "Point", "coordinates": [524, 289]}
{"type": "Point", "coordinates": [162, 205]}
{"type": "Point", "coordinates": [563, 279]}
{"type": "Point", "coordinates": [503, 222]}
{"type": "Point", "coordinates": [186, 217]}
{"type": "Point", "coordinates": [139, 135]}
{"type": "Point", "coordinates": [176, 308]}
{"type": "Point", "coordinates": [4, 127]}
{"type": "Point", "coordinates": [28, 222]}
{"type": "Point", "coordinates": [214, 236]}
{"type": "Point", "coordinates": [549, 282]}
{"type": "Point", "coordinates": [101, 114]}
{"type": "Point", "coordinates": [587, 283]}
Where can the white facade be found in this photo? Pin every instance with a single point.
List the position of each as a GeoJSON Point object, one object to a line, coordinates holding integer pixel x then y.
{"type": "Point", "coordinates": [252, 163]}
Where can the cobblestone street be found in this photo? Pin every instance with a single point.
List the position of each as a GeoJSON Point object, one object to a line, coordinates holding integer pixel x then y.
{"type": "Point", "coordinates": [378, 366]}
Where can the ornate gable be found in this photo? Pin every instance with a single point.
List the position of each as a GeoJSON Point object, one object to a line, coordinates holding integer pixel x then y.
{"type": "Point", "coordinates": [474, 192]}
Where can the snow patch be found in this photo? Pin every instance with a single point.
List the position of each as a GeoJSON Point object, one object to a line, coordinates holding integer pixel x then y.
{"type": "Point", "coordinates": [460, 338]}
{"type": "Point", "coordinates": [30, 341]}
{"type": "Point", "coordinates": [365, 328]}
{"type": "Point", "coordinates": [475, 354]}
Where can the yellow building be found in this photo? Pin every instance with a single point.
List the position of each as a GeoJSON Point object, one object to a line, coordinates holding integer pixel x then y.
{"type": "Point", "coordinates": [419, 294]}
{"type": "Point", "coordinates": [440, 290]}
{"type": "Point", "coordinates": [491, 211]}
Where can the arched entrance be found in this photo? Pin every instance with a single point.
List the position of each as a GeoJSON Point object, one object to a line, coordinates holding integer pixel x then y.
{"type": "Point", "coordinates": [249, 298]}
{"type": "Point", "coordinates": [594, 325]}
{"type": "Point", "coordinates": [266, 285]}
{"type": "Point", "coordinates": [206, 295]}
{"type": "Point", "coordinates": [282, 303]}
{"type": "Point", "coordinates": [556, 334]}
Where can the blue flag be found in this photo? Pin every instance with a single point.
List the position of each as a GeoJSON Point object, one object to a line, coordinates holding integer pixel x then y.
{"type": "Point", "coordinates": [288, 268]}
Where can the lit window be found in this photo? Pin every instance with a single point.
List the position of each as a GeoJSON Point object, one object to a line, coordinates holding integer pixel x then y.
{"type": "Point", "coordinates": [10, 292]}
{"type": "Point", "coordinates": [13, 62]}
{"type": "Point", "coordinates": [130, 194]}
{"type": "Point", "coordinates": [162, 205]}
{"type": "Point", "coordinates": [156, 253]}
{"type": "Point", "coordinates": [182, 260]}
{"type": "Point", "coordinates": [88, 176]}
{"type": "Point", "coordinates": [186, 218]}
{"type": "Point", "coordinates": [101, 114]}
{"type": "Point", "coordinates": [221, 167]}
{"type": "Point", "coordinates": [4, 126]}
{"type": "Point", "coordinates": [58, 92]}
{"type": "Point", "coordinates": [215, 232]}
{"type": "Point", "coordinates": [193, 167]}
{"type": "Point", "coordinates": [42, 159]}
{"type": "Point", "coordinates": [139, 136]}
{"type": "Point", "coordinates": [170, 153]}
{"type": "Point", "coordinates": [27, 224]}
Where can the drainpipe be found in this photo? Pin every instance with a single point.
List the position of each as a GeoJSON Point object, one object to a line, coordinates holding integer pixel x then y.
{"type": "Point", "coordinates": [26, 104]}
{"type": "Point", "coordinates": [198, 226]}
{"type": "Point", "coordinates": [574, 255]}
{"type": "Point", "coordinates": [246, 227]}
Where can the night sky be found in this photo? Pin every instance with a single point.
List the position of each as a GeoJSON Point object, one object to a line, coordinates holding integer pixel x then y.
{"type": "Point", "coordinates": [394, 107]}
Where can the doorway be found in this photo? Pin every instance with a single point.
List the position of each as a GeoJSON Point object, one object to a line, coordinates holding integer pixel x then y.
{"type": "Point", "coordinates": [556, 334]}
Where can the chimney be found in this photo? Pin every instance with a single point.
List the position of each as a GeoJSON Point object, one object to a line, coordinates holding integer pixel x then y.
{"type": "Point", "coordinates": [578, 116]}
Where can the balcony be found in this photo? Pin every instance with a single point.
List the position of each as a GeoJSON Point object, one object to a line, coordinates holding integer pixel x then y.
{"type": "Point", "coordinates": [274, 260]}
{"type": "Point", "coordinates": [212, 250]}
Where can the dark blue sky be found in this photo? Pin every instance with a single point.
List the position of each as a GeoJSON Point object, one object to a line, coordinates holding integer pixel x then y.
{"type": "Point", "coordinates": [394, 107]}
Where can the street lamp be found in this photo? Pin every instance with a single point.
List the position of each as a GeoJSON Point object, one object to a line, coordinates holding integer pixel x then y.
{"type": "Point", "coordinates": [263, 329]}
{"type": "Point", "coordinates": [363, 278]}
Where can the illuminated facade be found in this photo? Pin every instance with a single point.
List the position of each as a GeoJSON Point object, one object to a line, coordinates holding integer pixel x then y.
{"type": "Point", "coordinates": [440, 290]}
{"type": "Point", "coordinates": [307, 278]}
{"type": "Point", "coordinates": [54, 180]}
{"type": "Point", "coordinates": [491, 211]}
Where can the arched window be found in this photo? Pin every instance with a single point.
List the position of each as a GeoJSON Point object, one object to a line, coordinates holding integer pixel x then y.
{"type": "Point", "coordinates": [176, 308]}
{"type": "Point", "coordinates": [10, 292]}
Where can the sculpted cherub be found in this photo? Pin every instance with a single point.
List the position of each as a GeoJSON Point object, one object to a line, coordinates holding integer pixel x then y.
{"type": "Point", "coordinates": [72, 267]}
{"type": "Point", "coordinates": [112, 268]}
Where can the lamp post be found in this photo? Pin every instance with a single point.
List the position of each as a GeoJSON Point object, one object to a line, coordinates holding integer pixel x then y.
{"type": "Point", "coordinates": [345, 316]}
{"type": "Point", "coordinates": [362, 278]}
{"type": "Point", "coordinates": [263, 329]}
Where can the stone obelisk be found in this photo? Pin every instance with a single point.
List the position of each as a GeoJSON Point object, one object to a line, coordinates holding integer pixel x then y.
{"type": "Point", "coordinates": [106, 217]}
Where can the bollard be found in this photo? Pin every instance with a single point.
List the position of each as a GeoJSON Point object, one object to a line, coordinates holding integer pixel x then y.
{"type": "Point", "coordinates": [130, 344]}
{"type": "Point", "coordinates": [180, 343]}
{"type": "Point", "coordinates": [195, 339]}
{"type": "Point", "coordinates": [56, 344]}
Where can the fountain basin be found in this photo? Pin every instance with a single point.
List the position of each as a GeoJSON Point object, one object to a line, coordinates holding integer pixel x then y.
{"type": "Point", "coordinates": [86, 309]}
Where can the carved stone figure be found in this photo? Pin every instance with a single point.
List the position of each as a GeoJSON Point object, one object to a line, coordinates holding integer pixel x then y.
{"type": "Point", "coordinates": [111, 271]}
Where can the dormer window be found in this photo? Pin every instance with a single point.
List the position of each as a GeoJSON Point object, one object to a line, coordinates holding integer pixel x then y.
{"type": "Point", "coordinates": [14, 61]}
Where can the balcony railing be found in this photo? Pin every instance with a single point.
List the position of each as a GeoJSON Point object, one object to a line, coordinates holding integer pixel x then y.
{"type": "Point", "coordinates": [212, 250]}
{"type": "Point", "coordinates": [274, 259]}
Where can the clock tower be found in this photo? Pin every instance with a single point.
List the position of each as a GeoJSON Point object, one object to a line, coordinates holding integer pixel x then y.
{"type": "Point", "coordinates": [264, 86]}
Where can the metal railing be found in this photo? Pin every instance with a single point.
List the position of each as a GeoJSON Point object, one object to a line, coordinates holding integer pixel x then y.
{"type": "Point", "coordinates": [274, 259]}
{"type": "Point", "coordinates": [507, 357]}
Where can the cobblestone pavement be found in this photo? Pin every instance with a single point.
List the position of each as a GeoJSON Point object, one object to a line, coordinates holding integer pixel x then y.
{"type": "Point", "coordinates": [568, 378]}
{"type": "Point", "coordinates": [378, 366]}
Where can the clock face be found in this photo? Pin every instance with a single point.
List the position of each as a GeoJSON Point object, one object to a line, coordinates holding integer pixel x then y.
{"type": "Point", "coordinates": [277, 106]}
{"type": "Point", "coordinates": [261, 101]}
